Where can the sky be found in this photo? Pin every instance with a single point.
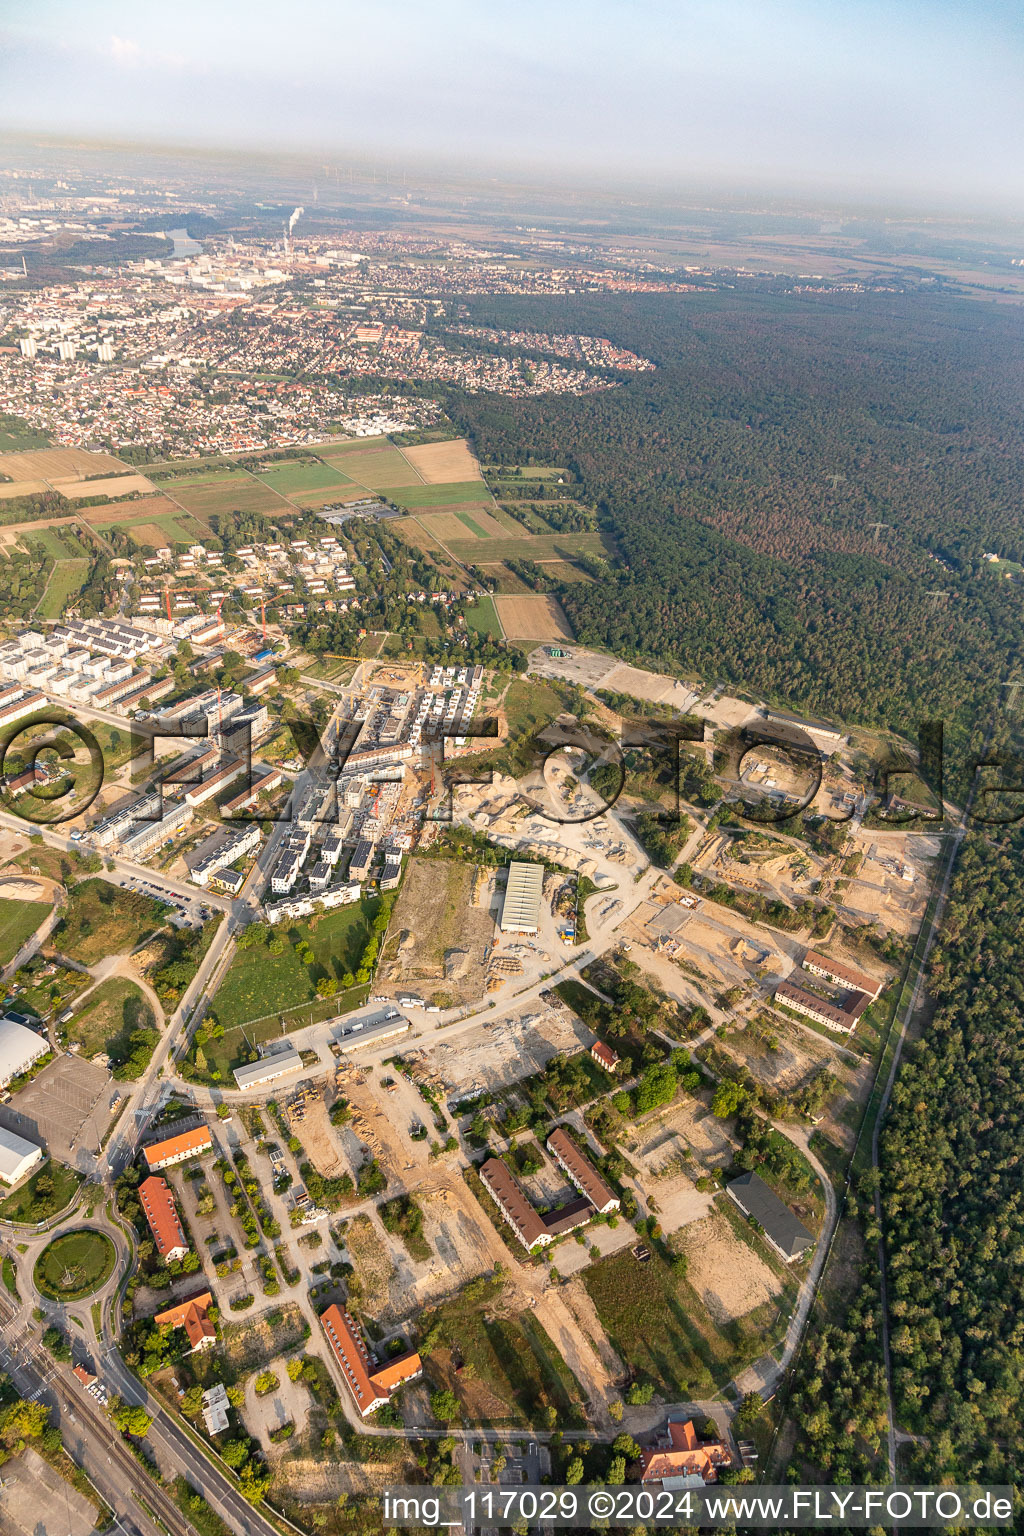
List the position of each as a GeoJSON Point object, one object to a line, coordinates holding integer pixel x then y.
{"type": "Point", "coordinates": [861, 98]}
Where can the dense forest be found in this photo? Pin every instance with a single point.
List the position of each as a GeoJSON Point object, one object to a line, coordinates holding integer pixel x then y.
{"type": "Point", "coordinates": [743, 480]}
{"type": "Point", "coordinates": [953, 1195]}
{"type": "Point", "coordinates": [953, 1223]}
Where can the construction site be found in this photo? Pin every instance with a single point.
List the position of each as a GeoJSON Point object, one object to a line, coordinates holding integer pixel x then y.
{"type": "Point", "coordinates": [441, 932]}
{"type": "Point", "coordinates": [496, 1054]}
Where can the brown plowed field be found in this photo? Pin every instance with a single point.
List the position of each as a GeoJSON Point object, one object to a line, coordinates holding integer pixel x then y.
{"type": "Point", "coordinates": [534, 617]}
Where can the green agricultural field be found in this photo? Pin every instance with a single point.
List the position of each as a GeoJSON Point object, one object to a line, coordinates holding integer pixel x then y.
{"type": "Point", "coordinates": [474, 528]}
{"type": "Point", "coordinates": [102, 919]}
{"type": "Point", "coordinates": [47, 1192]}
{"type": "Point", "coordinates": [59, 543]}
{"type": "Point", "coordinates": [457, 494]}
{"type": "Point", "coordinates": [111, 1011]}
{"type": "Point", "coordinates": [303, 477]}
{"type": "Point", "coordinates": [532, 546]}
{"type": "Point", "coordinates": [376, 469]}
{"type": "Point", "coordinates": [226, 493]}
{"type": "Point", "coordinates": [67, 579]}
{"type": "Point", "coordinates": [18, 921]}
{"type": "Point", "coordinates": [482, 618]}
{"type": "Point", "coordinates": [259, 983]}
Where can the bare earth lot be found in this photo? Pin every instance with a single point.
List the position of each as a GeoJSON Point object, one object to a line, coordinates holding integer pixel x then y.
{"type": "Point", "coordinates": [728, 1276]}
{"type": "Point", "coordinates": [442, 927]}
{"type": "Point", "coordinates": [533, 617]}
{"type": "Point", "coordinates": [500, 1053]}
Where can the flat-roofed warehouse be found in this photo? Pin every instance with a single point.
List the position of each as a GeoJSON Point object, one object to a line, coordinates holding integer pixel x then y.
{"type": "Point", "coordinates": [17, 1156]}
{"type": "Point", "coordinates": [786, 1232]}
{"type": "Point", "coordinates": [521, 910]}
{"type": "Point", "coordinates": [19, 1049]}
{"type": "Point", "coordinates": [269, 1068]}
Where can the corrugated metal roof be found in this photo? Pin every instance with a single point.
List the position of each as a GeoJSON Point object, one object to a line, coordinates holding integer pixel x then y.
{"type": "Point", "coordinates": [521, 910]}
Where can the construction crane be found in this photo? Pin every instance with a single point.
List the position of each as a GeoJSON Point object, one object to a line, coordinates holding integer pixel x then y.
{"type": "Point", "coordinates": [167, 597]}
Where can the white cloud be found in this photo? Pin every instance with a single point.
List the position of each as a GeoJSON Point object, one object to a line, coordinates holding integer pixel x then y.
{"type": "Point", "coordinates": [129, 54]}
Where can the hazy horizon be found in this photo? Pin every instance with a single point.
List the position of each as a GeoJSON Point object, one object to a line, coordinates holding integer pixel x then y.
{"type": "Point", "coordinates": [779, 99]}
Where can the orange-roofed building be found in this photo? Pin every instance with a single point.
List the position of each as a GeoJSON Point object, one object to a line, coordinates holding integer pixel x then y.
{"type": "Point", "coordinates": [193, 1316]}
{"type": "Point", "coordinates": [176, 1149]}
{"type": "Point", "coordinates": [604, 1055]}
{"type": "Point", "coordinates": [371, 1385]}
{"type": "Point", "coordinates": [164, 1222]}
{"type": "Point", "coordinates": [683, 1458]}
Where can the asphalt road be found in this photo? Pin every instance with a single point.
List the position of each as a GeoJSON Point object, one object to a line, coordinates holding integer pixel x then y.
{"type": "Point", "coordinates": [89, 1437]}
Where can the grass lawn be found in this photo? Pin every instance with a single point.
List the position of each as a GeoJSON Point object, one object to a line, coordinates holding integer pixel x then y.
{"type": "Point", "coordinates": [661, 1328]}
{"type": "Point", "coordinates": [517, 1372]}
{"type": "Point", "coordinates": [46, 1193]}
{"type": "Point", "coordinates": [526, 472]}
{"type": "Point", "coordinates": [115, 743]}
{"type": "Point", "coordinates": [259, 983]}
{"type": "Point", "coordinates": [178, 527]}
{"type": "Point", "coordinates": [18, 921]}
{"type": "Point", "coordinates": [66, 580]}
{"type": "Point", "coordinates": [529, 707]}
{"type": "Point", "coordinates": [74, 1265]}
{"type": "Point", "coordinates": [102, 919]}
{"type": "Point", "coordinates": [482, 618]}
{"type": "Point", "coordinates": [114, 1008]}
{"type": "Point", "coordinates": [59, 543]}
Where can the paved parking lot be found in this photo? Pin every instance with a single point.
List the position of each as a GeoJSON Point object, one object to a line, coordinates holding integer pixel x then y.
{"type": "Point", "coordinates": [67, 1108]}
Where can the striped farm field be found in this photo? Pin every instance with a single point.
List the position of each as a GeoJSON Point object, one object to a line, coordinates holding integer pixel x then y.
{"type": "Point", "coordinates": [513, 529]}
{"type": "Point", "coordinates": [146, 510]}
{"type": "Point", "coordinates": [114, 486]}
{"type": "Point", "coordinates": [507, 581]}
{"type": "Point", "coordinates": [228, 493]}
{"type": "Point", "coordinates": [457, 495]}
{"type": "Point", "coordinates": [558, 546]}
{"type": "Point", "coordinates": [375, 468]}
{"type": "Point", "coordinates": [414, 532]}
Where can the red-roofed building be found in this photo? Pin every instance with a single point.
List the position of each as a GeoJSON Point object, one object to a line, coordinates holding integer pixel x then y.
{"type": "Point", "coordinates": [164, 1222]}
{"type": "Point", "coordinates": [604, 1055]}
{"type": "Point", "coordinates": [682, 1457]}
{"type": "Point", "coordinates": [370, 1384]}
{"type": "Point", "coordinates": [193, 1316]}
{"type": "Point", "coordinates": [177, 1149]}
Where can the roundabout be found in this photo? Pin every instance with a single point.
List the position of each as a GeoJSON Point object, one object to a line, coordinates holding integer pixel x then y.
{"type": "Point", "coordinates": [74, 1265]}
